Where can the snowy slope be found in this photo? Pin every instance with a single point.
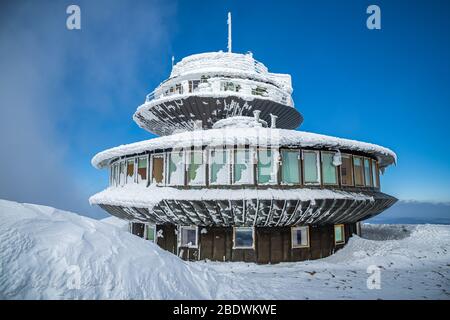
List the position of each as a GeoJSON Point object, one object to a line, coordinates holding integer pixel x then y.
{"type": "Point", "coordinates": [47, 253]}
{"type": "Point", "coordinates": [44, 251]}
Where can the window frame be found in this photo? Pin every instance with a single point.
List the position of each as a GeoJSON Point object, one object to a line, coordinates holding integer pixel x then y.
{"type": "Point", "coordinates": [133, 178]}
{"type": "Point", "coordinates": [342, 226]}
{"type": "Point", "coordinates": [299, 164]}
{"type": "Point", "coordinates": [122, 181]}
{"type": "Point", "coordinates": [229, 154]}
{"type": "Point", "coordinates": [368, 184]}
{"type": "Point", "coordinates": [167, 163]}
{"type": "Point", "coordinates": [377, 174]}
{"type": "Point", "coordinates": [244, 247]}
{"type": "Point", "coordinates": [150, 179]}
{"type": "Point", "coordinates": [293, 230]}
{"type": "Point", "coordinates": [252, 165]}
{"type": "Point", "coordinates": [276, 164]}
{"type": "Point", "coordinates": [318, 165]}
{"type": "Point", "coordinates": [187, 154]}
{"type": "Point", "coordinates": [344, 155]}
{"type": "Point", "coordinates": [145, 157]}
{"type": "Point", "coordinates": [180, 245]}
{"type": "Point", "coordinates": [153, 226]}
{"type": "Point", "coordinates": [336, 172]}
{"type": "Point", "coordinates": [362, 171]}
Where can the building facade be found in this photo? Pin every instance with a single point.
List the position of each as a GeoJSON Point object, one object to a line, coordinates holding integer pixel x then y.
{"type": "Point", "coordinates": [229, 179]}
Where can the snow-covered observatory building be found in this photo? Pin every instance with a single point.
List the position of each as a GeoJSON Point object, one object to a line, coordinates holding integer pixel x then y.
{"type": "Point", "coordinates": [229, 179]}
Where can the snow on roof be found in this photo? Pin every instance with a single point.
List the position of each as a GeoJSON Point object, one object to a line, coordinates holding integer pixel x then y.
{"type": "Point", "coordinates": [245, 136]}
{"type": "Point", "coordinates": [140, 196]}
{"type": "Point", "coordinates": [229, 63]}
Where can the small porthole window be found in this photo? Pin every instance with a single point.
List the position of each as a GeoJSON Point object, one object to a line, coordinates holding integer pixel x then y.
{"type": "Point", "coordinates": [243, 238]}
{"type": "Point", "coordinates": [300, 237]}
{"type": "Point", "coordinates": [339, 234]}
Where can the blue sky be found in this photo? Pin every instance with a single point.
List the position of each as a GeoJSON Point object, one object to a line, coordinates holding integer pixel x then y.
{"type": "Point", "coordinates": [66, 95]}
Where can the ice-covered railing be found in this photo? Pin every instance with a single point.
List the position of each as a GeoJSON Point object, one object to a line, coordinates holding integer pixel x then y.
{"type": "Point", "coordinates": [221, 84]}
{"type": "Point", "coordinates": [226, 60]}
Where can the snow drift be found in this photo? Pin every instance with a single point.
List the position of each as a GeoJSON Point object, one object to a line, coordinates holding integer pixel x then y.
{"type": "Point", "coordinates": [46, 253]}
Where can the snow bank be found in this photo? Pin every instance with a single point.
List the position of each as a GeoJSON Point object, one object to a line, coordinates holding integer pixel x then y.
{"type": "Point", "coordinates": [245, 136]}
{"type": "Point", "coordinates": [46, 253]}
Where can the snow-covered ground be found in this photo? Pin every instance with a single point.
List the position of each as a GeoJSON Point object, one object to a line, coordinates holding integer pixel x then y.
{"type": "Point", "coordinates": [46, 253]}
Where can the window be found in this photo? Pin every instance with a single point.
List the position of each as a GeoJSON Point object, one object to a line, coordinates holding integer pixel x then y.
{"type": "Point", "coordinates": [358, 167]}
{"type": "Point", "coordinates": [229, 86]}
{"type": "Point", "coordinates": [329, 170]}
{"type": "Point", "coordinates": [311, 172]}
{"type": "Point", "coordinates": [150, 232]}
{"type": "Point", "coordinates": [130, 171]}
{"type": "Point", "coordinates": [193, 85]}
{"type": "Point", "coordinates": [157, 169]}
{"type": "Point", "coordinates": [300, 237]}
{"type": "Point", "coordinates": [339, 234]}
{"type": "Point", "coordinates": [346, 170]}
{"type": "Point", "coordinates": [290, 167]}
{"type": "Point", "coordinates": [142, 170]}
{"type": "Point", "coordinates": [367, 173]}
{"type": "Point", "coordinates": [267, 166]}
{"type": "Point", "coordinates": [175, 168]}
{"type": "Point", "coordinates": [178, 89]}
{"type": "Point", "coordinates": [122, 173]}
{"type": "Point", "coordinates": [195, 167]}
{"type": "Point", "coordinates": [243, 166]}
{"type": "Point", "coordinates": [243, 238]}
{"type": "Point", "coordinates": [188, 237]}
{"type": "Point", "coordinates": [375, 174]}
{"type": "Point", "coordinates": [219, 166]}
{"type": "Point", "coordinates": [259, 91]}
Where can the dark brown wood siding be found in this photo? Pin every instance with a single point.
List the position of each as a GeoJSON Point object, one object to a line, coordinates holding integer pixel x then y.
{"type": "Point", "coordinates": [272, 244]}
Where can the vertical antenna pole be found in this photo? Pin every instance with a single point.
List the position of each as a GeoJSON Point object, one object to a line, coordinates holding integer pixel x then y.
{"type": "Point", "coordinates": [173, 59]}
{"type": "Point", "coordinates": [229, 31]}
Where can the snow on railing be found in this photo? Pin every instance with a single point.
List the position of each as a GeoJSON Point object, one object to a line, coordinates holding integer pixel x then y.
{"type": "Point", "coordinates": [223, 84]}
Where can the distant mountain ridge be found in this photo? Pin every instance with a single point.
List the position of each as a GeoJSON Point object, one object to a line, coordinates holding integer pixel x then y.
{"type": "Point", "coordinates": [415, 212]}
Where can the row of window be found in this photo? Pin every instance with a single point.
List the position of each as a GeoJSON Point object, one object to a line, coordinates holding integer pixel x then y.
{"type": "Point", "coordinates": [247, 166]}
{"type": "Point", "coordinates": [225, 85]}
{"type": "Point", "coordinates": [244, 237]}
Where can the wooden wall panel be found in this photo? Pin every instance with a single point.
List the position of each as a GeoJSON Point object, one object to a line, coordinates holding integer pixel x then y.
{"type": "Point", "coordinates": [314, 235]}
{"type": "Point", "coordinates": [263, 245]}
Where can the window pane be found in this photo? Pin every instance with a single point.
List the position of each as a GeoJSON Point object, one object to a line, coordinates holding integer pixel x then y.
{"type": "Point", "coordinates": [300, 237]}
{"type": "Point", "coordinates": [290, 173]}
{"type": "Point", "coordinates": [219, 168]}
{"type": "Point", "coordinates": [158, 169]}
{"type": "Point", "coordinates": [151, 233]}
{"type": "Point", "coordinates": [338, 234]}
{"type": "Point", "coordinates": [196, 168]}
{"type": "Point", "coordinates": [142, 170]}
{"type": "Point", "coordinates": [310, 167]}
{"type": "Point", "coordinates": [357, 163]}
{"type": "Point", "coordinates": [243, 238]}
{"type": "Point", "coordinates": [130, 171]}
{"type": "Point", "coordinates": [346, 171]}
{"type": "Point", "coordinates": [122, 173]}
{"type": "Point", "coordinates": [176, 168]}
{"type": "Point", "coordinates": [375, 174]}
{"type": "Point", "coordinates": [267, 167]}
{"type": "Point", "coordinates": [189, 237]}
{"type": "Point", "coordinates": [328, 169]}
{"type": "Point", "coordinates": [243, 169]}
{"type": "Point", "coordinates": [367, 173]}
